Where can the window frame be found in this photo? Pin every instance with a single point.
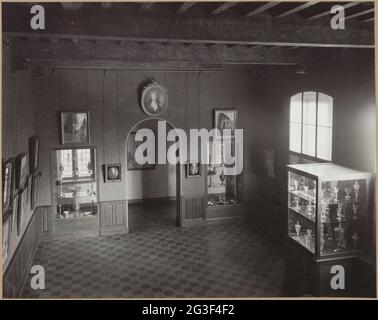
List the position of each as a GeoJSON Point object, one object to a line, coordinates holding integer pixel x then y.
{"type": "Point", "coordinates": [301, 154]}
{"type": "Point", "coordinates": [93, 151]}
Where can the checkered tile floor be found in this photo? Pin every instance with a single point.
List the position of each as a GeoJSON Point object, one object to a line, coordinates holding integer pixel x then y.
{"type": "Point", "coordinates": [223, 259]}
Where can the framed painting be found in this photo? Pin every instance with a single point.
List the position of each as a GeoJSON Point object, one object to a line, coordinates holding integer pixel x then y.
{"type": "Point", "coordinates": [154, 98]}
{"type": "Point", "coordinates": [8, 186]}
{"type": "Point", "coordinates": [22, 210]}
{"type": "Point", "coordinates": [33, 154]}
{"type": "Point", "coordinates": [193, 169]}
{"type": "Point", "coordinates": [21, 170]}
{"type": "Point", "coordinates": [112, 173]}
{"type": "Point", "coordinates": [6, 233]}
{"type": "Point", "coordinates": [34, 192]}
{"type": "Point", "coordinates": [75, 127]}
{"type": "Point", "coordinates": [132, 146]}
{"type": "Point", "coordinates": [225, 119]}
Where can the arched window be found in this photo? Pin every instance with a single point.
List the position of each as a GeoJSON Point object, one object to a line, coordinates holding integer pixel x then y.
{"type": "Point", "coordinates": [311, 121]}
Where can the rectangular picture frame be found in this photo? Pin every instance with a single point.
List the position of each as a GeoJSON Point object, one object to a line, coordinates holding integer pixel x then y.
{"type": "Point", "coordinates": [112, 172]}
{"type": "Point", "coordinates": [132, 145]}
{"type": "Point", "coordinates": [225, 119]}
{"type": "Point", "coordinates": [193, 169]}
{"type": "Point", "coordinates": [34, 192]}
{"type": "Point", "coordinates": [75, 127]}
{"type": "Point", "coordinates": [21, 170]}
{"type": "Point", "coordinates": [8, 186]}
{"type": "Point", "coordinates": [33, 154]}
{"type": "Point", "coordinates": [6, 235]}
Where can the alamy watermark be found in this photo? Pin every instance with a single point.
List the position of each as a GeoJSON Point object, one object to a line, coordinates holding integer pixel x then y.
{"type": "Point", "coordinates": [214, 147]}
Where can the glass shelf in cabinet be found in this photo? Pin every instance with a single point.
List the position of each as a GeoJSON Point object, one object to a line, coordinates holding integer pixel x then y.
{"type": "Point", "coordinates": [309, 196]}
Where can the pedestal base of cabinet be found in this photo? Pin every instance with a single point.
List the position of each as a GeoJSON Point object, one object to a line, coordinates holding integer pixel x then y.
{"type": "Point", "coordinates": [76, 226]}
{"type": "Point", "coordinates": [225, 211]}
{"type": "Point", "coordinates": [305, 277]}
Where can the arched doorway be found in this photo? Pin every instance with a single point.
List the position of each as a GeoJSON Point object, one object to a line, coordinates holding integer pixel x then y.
{"type": "Point", "coordinates": [152, 190]}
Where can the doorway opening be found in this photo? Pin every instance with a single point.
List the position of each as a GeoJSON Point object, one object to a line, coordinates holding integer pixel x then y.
{"type": "Point", "coordinates": [152, 189]}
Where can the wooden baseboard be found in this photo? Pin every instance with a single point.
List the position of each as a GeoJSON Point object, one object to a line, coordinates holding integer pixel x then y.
{"type": "Point", "coordinates": [150, 200]}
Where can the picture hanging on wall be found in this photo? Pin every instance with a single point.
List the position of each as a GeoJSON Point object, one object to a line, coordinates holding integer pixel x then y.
{"type": "Point", "coordinates": [74, 127]}
{"type": "Point", "coordinates": [22, 210]}
{"type": "Point", "coordinates": [6, 232]}
{"type": "Point", "coordinates": [132, 164]}
{"type": "Point", "coordinates": [8, 186]}
{"type": "Point", "coordinates": [225, 119]}
{"type": "Point", "coordinates": [33, 191]}
{"type": "Point", "coordinates": [33, 154]}
{"type": "Point", "coordinates": [193, 169]}
{"type": "Point", "coordinates": [21, 170]}
{"type": "Point", "coordinates": [112, 173]}
{"type": "Point", "coordinates": [28, 193]}
{"type": "Point", "coordinates": [154, 98]}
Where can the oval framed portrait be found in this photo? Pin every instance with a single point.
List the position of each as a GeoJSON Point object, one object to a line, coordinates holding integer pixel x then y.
{"type": "Point", "coordinates": [154, 99]}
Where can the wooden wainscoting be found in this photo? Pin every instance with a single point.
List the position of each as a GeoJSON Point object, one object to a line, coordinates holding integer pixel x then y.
{"type": "Point", "coordinates": [17, 271]}
{"type": "Point", "coordinates": [192, 209]}
{"type": "Point", "coordinates": [113, 217]}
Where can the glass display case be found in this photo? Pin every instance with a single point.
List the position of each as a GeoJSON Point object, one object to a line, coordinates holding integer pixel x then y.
{"type": "Point", "coordinates": [328, 209]}
{"type": "Point", "coordinates": [221, 187]}
{"type": "Point", "coordinates": [75, 183]}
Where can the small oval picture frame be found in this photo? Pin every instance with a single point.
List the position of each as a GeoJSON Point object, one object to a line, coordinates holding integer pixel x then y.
{"type": "Point", "coordinates": [154, 99]}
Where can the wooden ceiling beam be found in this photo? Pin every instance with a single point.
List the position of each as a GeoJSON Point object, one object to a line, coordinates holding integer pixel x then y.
{"type": "Point", "coordinates": [111, 51]}
{"type": "Point", "coordinates": [297, 9]}
{"type": "Point", "coordinates": [368, 20]}
{"type": "Point", "coordinates": [185, 7]}
{"type": "Point", "coordinates": [223, 7]}
{"type": "Point", "coordinates": [262, 8]}
{"type": "Point", "coordinates": [361, 13]}
{"type": "Point", "coordinates": [31, 36]}
{"type": "Point", "coordinates": [227, 29]}
{"type": "Point", "coordinates": [328, 12]}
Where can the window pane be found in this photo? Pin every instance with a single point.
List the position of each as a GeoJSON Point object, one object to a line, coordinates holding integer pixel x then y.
{"type": "Point", "coordinates": [325, 108]}
{"type": "Point", "coordinates": [83, 161]}
{"type": "Point", "coordinates": [296, 108]}
{"type": "Point", "coordinates": [309, 107]}
{"type": "Point", "coordinates": [324, 143]}
{"type": "Point", "coordinates": [295, 137]}
{"type": "Point", "coordinates": [66, 163]}
{"type": "Point", "coordinates": [309, 139]}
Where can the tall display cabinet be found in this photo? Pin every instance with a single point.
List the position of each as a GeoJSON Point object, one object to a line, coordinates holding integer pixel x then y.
{"type": "Point", "coordinates": [328, 217]}
{"type": "Point", "coordinates": [328, 209]}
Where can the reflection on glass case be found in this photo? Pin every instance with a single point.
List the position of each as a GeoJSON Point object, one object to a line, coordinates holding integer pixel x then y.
{"type": "Point", "coordinates": [75, 183]}
{"type": "Point", "coordinates": [221, 187]}
{"type": "Point", "coordinates": [328, 209]}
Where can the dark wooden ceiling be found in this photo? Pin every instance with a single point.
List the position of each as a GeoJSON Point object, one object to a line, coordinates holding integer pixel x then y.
{"type": "Point", "coordinates": [224, 32]}
{"type": "Point", "coordinates": [359, 11]}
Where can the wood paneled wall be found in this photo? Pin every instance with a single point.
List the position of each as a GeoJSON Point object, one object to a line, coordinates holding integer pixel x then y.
{"type": "Point", "coordinates": [17, 108]}
{"type": "Point", "coordinates": [111, 96]}
{"type": "Point", "coordinates": [15, 276]}
{"type": "Point", "coordinates": [17, 125]}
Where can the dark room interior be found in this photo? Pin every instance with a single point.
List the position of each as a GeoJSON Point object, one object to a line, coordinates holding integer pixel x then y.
{"type": "Point", "coordinates": [102, 225]}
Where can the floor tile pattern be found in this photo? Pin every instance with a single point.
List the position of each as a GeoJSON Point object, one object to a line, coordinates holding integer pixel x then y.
{"type": "Point", "coordinates": [223, 259]}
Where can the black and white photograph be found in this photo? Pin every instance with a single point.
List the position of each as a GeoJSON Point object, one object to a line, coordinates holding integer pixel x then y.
{"type": "Point", "coordinates": [75, 127]}
{"type": "Point", "coordinates": [154, 99]}
{"type": "Point", "coordinates": [113, 172]}
{"type": "Point", "coordinates": [193, 169]}
{"type": "Point", "coordinates": [280, 203]}
{"type": "Point", "coordinates": [225, 120]}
